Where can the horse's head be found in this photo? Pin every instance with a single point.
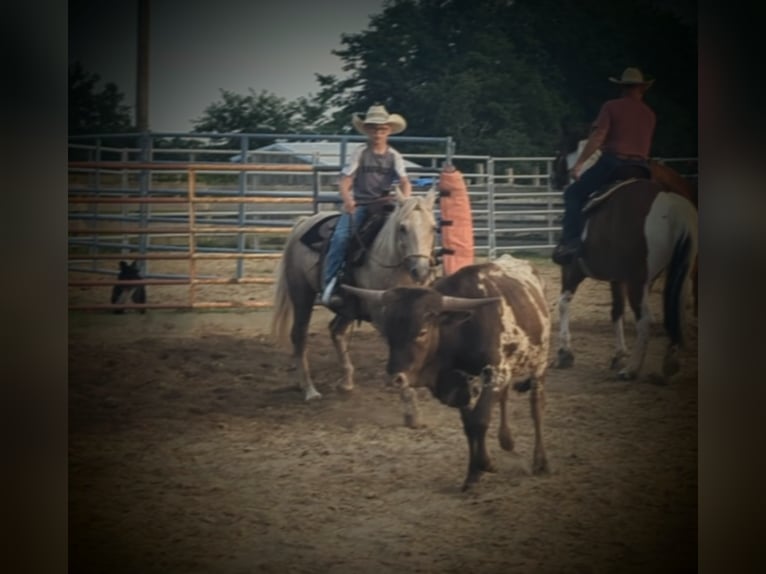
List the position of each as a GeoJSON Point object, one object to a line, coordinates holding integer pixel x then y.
{"type": "Point", "coordinates": [413, 229]}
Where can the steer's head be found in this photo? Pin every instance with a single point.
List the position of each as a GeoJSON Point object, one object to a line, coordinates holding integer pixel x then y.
{"type": "Point", "coordinates": [414, 320]}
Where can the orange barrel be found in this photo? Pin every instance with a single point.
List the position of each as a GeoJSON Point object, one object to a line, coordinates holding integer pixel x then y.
{"type": "Point", "coordinates": [457, 224]}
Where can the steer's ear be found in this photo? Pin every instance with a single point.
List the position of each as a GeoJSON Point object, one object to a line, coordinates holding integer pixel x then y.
{"type": "Point", "coordinates": [448, 318]}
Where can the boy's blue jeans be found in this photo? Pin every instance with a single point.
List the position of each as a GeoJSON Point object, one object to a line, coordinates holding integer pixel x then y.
{"type": "Point", "coordinates": [348, 224]}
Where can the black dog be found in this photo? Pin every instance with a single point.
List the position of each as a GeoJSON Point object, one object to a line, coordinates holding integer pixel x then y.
{"type": "Point", "coordinates": [121, 292]}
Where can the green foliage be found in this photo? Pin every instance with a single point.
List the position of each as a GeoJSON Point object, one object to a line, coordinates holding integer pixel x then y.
{"type": "Point", "coordinates": [94, 111]}
{"type": "Point", "coordinates": [502, 76]}
{"type": "Point", "coordinates": [263, 112]}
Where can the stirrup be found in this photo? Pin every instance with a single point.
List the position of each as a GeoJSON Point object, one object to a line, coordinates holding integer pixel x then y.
{"type": "Point", "coordinates": [564, 253]}
{"type": "Point", "coordinates": [327, 294]}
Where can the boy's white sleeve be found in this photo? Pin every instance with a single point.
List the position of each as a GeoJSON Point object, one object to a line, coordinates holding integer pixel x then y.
{"type": "Point", "coordinates": [352, 162]}
{"type": "Point", "coordinates": [399, 166]}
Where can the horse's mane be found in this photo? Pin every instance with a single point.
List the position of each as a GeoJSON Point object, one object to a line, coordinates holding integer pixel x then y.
{"type": "Point", "coordinates": [402, 212]}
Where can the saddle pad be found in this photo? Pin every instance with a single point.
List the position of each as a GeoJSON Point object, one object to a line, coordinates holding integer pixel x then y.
{"type": "Point", "coordinates": [319, 232]}
{"type": "Point", "coordinates": [601, 195]}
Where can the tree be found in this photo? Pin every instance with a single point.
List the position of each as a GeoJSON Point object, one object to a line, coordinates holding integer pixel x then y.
{"type": "Point", "coordinates": [94, 111]}
{"type": "Point", "coordinates": [502, 75]}
{"type": "Point", "coordinates": [263, 112]}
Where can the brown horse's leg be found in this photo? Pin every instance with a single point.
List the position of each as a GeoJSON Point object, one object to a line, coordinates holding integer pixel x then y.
{"type": "Point", "coordinates": [571, 277]}
{"type": "Point", "coordinates": [638, 299]}
{"type": "Point", "coordinates": [303, 307]}
{"type": "Point", "coordinates": [618, 311]}
{"type": "Point", "coordinates": [340, 329]}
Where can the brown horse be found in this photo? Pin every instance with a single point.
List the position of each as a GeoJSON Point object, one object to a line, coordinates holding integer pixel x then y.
{"type": "Point", "coordinates": [401, 254]}
{"type": "Point", "coordinates": [668, 179]}
{"type": "Point", "coordinates": [634, 232]}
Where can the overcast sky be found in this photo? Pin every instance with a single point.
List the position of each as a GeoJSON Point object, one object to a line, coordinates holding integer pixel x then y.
{"type": "Point", "coordinates": [198, 47]}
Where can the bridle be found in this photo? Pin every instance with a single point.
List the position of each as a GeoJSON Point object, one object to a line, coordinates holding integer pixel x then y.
{"type": "Point", "coordinates": [405, 258]}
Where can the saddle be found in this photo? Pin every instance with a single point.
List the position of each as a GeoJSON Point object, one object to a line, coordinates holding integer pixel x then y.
{"type": "Point", "coordinates": [620, 177]}
{"type": "Point", "coordinates": [317, 237]}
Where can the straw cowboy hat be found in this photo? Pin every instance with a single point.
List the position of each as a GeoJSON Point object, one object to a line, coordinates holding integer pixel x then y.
{"type": "Point", "coordinates": [632, 77]}
{"type": "Point", "coordinates": [377, 115]}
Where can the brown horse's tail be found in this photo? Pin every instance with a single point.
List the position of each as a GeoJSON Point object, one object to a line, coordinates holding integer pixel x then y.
{"type": "Point", "coordinates": [283, 306]}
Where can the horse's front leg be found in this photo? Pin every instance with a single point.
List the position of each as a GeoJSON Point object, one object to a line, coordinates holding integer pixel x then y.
{"type": "Point", "coordinates": [564, 358]}
{"type": "Point", "coordinates": [618, 311]}
{"type": "Point", "coordinates": [638, 297]}
{"type": "Point", "coordinates": [340, 329]}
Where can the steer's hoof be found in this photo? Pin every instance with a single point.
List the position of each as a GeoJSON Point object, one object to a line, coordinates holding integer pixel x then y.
{"type": "Point", "coordinates": [313, 394]}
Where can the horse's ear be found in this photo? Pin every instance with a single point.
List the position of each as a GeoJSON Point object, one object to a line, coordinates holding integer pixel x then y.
{"type": "Point", "coordinates": [399, 195]}
{"type": "Point", "coordinates": [431, 197]}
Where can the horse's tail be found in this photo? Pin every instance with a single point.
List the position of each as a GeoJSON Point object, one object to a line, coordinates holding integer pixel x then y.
{"type": "Point", "coordinates": [678, 271]}
{"type": "Point", "coordinates": [283, 306]}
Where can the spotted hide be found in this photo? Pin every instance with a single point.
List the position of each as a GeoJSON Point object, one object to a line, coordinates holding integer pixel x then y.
{"type": "Point", "coordinates": [469, 338]}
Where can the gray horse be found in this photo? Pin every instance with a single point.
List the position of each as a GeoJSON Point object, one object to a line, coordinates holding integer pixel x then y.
{"type": "Point", "coordinates": [401, 254]}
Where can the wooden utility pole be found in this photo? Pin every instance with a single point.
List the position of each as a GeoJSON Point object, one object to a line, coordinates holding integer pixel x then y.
{"type": "Point", "coordinates": [142, 68]}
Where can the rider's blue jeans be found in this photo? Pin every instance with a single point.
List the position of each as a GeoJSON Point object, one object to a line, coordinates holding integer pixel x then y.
{"type": "Point", "coordinates": [576, 194]}
{"type": "Point", "coordinates": [347, 225]}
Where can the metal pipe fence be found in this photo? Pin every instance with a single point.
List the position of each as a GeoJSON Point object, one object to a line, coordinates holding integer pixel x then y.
{"type": "Point", "coordinates": [125, 203]}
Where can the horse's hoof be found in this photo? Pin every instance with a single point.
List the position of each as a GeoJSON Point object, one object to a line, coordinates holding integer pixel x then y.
{"type": "Point", "coordinates": [618, 362]}
{"type": "Point", "coordinates": [670, 366]}
{"type": "Point", "coordinates": [470, 480]}
{"type": "Point", "coordinates": [626, 375]}
{"type": "Point", "coordinates": [540, 466]}
{"type": "Point", "coordinates": [413, 422]}
{"type": "Point", "coordinates": [564, 359]}
{"type": "Point", "coordinates": [313, 394]}
{"type": "Point", "coordinates": [345, 387]}
{"type": "Point", "coordinates": [506, 442]}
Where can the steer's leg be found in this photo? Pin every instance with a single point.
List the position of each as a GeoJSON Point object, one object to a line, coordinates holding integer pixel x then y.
{"type": "Point", "coordinates": [340, 329]}
{"type": "Point", "coordinates": [475, 423]}
{"type": "Point", "coordinates": [504, 432]}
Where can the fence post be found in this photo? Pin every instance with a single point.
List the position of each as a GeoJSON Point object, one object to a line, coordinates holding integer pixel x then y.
{"type": "Point", "coordinates": [315, 183]}
{"type": "Point", "coordinates": [94, 208]}
{"type": "Point", "coordinates": [549, 168]}
{"type": "Point", "coordinates": [244, 148]}
{"type": "Point", "coordinates": [191, 194]}
{"type": "Point", "coordinates": [491, 241]}
{"type": "Point", "coordinates": [143, 210]}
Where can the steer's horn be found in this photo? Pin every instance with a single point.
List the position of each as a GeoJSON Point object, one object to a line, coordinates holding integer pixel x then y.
{"type": "Point", "coordinates": [369, 295]}
{"type": "Point", "coordinates": [465, 303]}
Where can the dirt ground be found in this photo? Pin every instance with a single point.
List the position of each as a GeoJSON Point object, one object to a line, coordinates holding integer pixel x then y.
{"type": "Point", "coordinates": [192, 451]}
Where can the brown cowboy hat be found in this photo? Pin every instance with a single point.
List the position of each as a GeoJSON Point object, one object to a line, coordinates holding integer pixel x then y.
{"type": "Point", "coordinates": [632, 77]}
{"type": "Point", "coordinates": [377, 115]}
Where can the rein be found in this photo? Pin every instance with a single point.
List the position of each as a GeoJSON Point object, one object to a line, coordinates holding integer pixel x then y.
{"type": "Point", "coordinates": [370, 252]}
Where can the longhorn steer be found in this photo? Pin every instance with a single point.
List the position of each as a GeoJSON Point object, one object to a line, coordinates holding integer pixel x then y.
{"type": "Point", "coordinates": [489, 320]}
